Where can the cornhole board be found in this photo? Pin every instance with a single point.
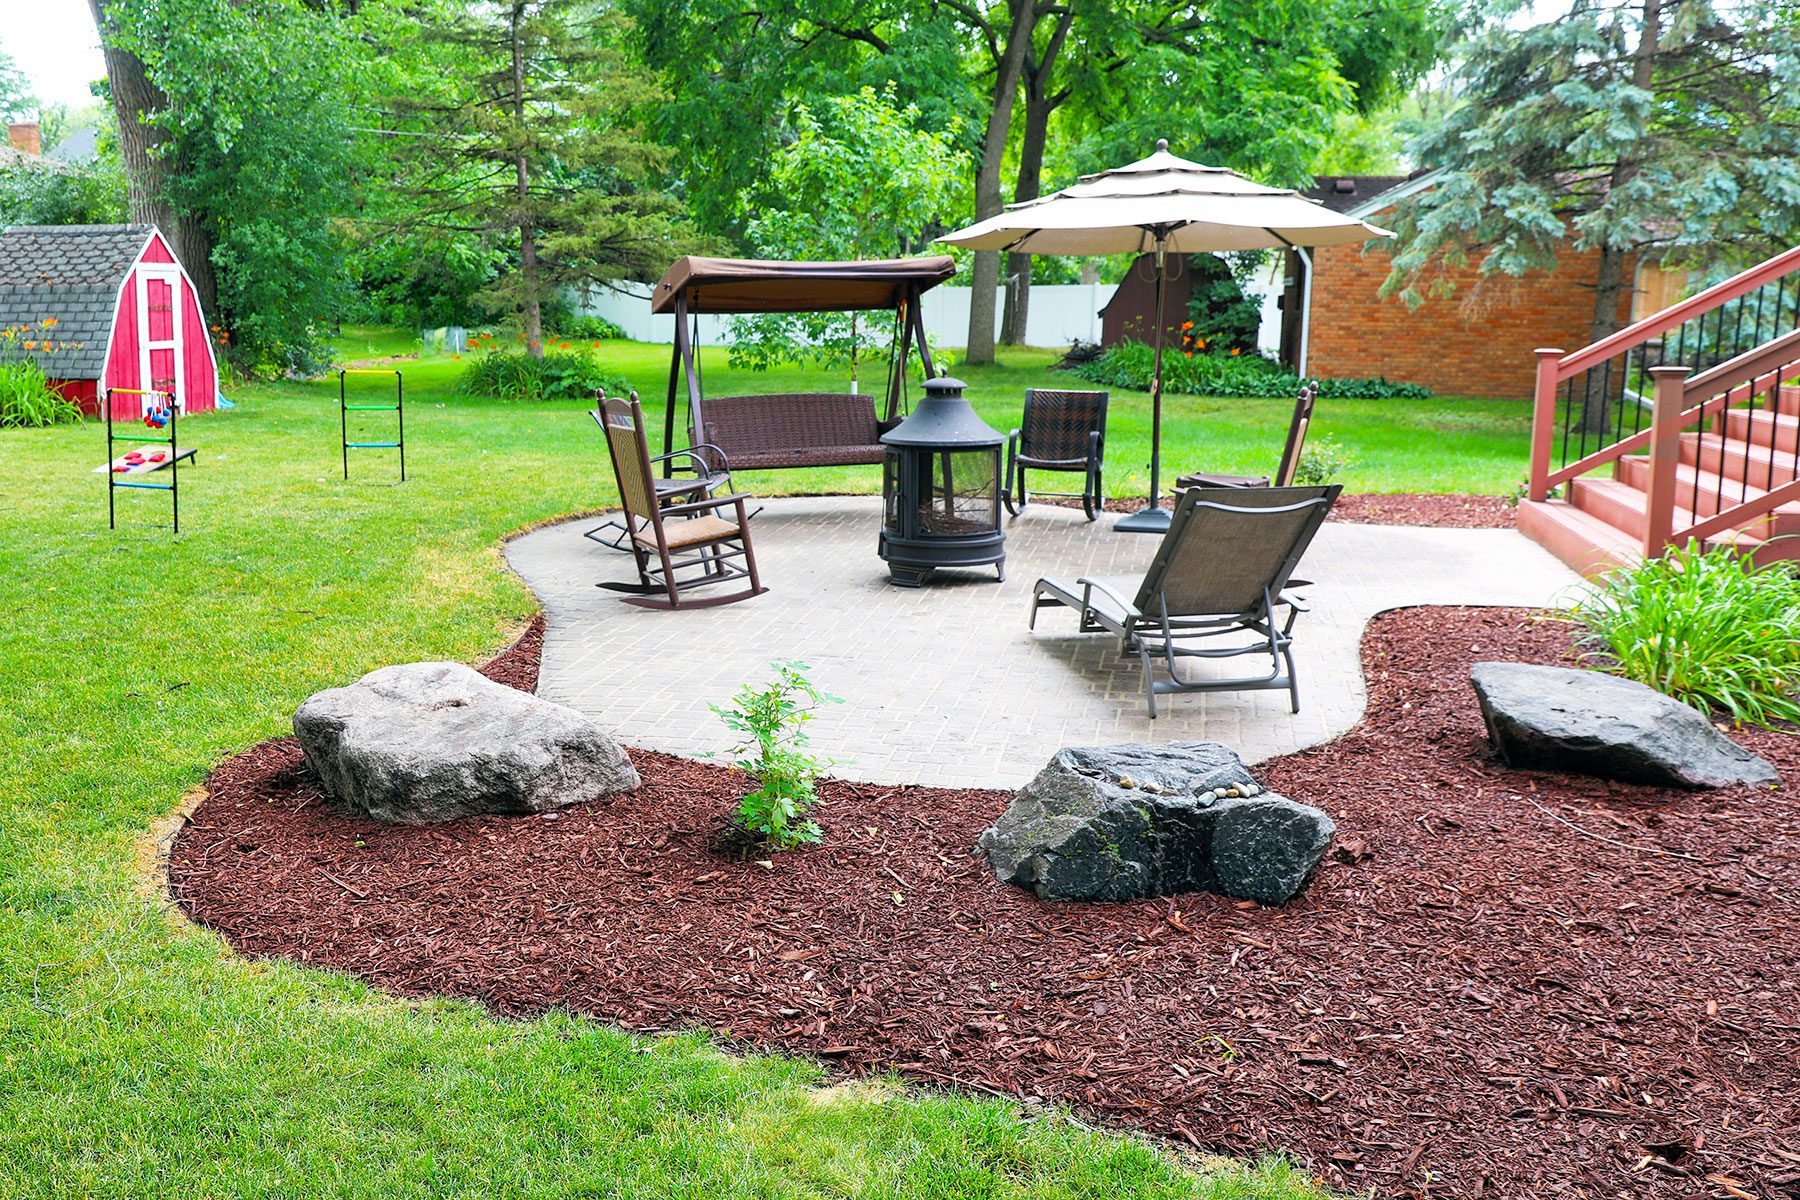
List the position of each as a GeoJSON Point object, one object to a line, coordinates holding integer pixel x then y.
{"type": "Point", "coordinates": [144, 468]}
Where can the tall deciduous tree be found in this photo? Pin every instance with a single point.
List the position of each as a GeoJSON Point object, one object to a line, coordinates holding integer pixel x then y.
{"type": "Point", "coordinates": [523, 126]}
{"type": "Point", "coordinates": [16, 99]}
{"type": "Point", "coordinates": [143, 145]}
{"type": "Point", "coordinates": [1660, 127]}
{"type": "Point", "coordinates": [860, 180]}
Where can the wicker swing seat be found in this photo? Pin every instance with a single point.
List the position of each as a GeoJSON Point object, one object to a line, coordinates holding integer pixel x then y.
{"type": "Point", "coordinates": [792, 429]}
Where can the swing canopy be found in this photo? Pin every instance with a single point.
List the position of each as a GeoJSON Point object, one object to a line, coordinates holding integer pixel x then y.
{"type": "Point", "coordinates": [748, 285]}
{"type": "Point", "coordinates": [791, 429]}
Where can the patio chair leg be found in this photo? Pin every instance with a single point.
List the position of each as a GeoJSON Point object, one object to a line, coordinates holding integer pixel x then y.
{"type": "Point", "coordinates": [1149, 679]}
{"type": "Point", "coordinates": [1006, 493]}
{"type": "Point", "coordinates": [1287, 656]}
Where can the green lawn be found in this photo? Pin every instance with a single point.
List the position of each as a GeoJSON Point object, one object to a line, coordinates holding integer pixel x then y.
{"type": "Point", "coordinates": [139, 1058]}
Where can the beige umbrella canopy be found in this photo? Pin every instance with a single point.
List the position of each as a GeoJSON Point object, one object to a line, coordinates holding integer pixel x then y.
{"type": "Point", "coordinates": [1163, 204]}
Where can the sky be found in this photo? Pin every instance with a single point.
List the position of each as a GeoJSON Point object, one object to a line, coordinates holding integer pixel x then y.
{"type": "Point", "coordinates": [54, 43]}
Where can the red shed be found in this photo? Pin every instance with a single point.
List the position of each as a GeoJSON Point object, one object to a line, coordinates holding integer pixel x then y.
{"type": "Point", "coordinates": [117, 306]}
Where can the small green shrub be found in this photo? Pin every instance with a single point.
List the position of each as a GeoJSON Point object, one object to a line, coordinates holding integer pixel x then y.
{"type": "Point", "coordinates": [1704, 626]}
{"type": "Point", "coordinates": [1129, 365]}
{"type": "Point", "coordinates": [772, 719]}
{"type": "Point", "coordinates": [589, 329]}
{"type": "Point", "coordinates": [1322, 461]}
{"type": "Point", "coordinates": [27, 401]}
{"type": "Point", "coordinates": [559, 375]}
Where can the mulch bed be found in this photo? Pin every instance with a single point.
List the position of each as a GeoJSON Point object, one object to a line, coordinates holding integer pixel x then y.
{"type": "Point", "coordinates": [1375, 508]}
{"type": "Point", "coordinates": [1501, 983]}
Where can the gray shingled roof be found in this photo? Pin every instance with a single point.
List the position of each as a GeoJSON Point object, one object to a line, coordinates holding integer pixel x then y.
{"type": "Point", "coordinates": [72, 273]}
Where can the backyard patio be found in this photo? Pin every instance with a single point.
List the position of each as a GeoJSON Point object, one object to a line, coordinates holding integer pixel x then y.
{"type": "Point", "coordinates": [945, 684]}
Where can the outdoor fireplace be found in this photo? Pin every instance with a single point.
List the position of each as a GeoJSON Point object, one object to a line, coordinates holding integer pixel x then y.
{"type": "Point", "coordinates": [941, 489]}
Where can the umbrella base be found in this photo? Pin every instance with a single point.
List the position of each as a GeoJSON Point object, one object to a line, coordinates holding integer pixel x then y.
{"type": "Point", "coordinates": [1150, 519]}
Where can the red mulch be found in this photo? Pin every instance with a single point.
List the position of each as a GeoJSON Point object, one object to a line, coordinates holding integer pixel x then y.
{"type": "Point", "coordinates": [1378, 508]}
{"type": "Point", "coordinates": [1472, 997]}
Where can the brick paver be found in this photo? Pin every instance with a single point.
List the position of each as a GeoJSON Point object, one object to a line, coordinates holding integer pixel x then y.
{"type": "Point", "coordinates": [945, 684]}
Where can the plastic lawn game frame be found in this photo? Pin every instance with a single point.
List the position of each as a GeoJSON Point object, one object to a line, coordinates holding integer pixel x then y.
{"type": "Point", "coordinates": [398, 408]}
{"type": "Point", "coordinates": [113, 482]}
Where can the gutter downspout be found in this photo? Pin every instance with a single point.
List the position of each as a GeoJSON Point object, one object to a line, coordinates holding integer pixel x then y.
{"type": "Point", "coordinates": [1306, 294]}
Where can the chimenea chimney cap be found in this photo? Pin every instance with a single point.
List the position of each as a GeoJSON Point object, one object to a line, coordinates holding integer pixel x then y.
{"type": "Point", "coordinates": [943, 420]}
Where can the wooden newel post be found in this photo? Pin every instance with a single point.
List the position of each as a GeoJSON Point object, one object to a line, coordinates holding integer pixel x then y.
{"type": "Point", "coordinates": [1665, 456]}
{"type": "Point", "coordinates": [1543, 424]}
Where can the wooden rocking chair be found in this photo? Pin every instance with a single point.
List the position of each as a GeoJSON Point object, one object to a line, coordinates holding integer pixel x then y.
{"type": "Point", "coordinates": [677, 547]}
{"type": "Point", "coordinates": [1290, 453]}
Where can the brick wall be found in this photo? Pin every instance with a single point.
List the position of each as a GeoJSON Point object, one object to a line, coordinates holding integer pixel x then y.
{"type": "Point", "coordinates": [1472, 343]}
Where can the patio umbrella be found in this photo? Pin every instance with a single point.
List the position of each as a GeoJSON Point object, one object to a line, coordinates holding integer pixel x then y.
{"type": "Point", "coordinates": [1167, 205]}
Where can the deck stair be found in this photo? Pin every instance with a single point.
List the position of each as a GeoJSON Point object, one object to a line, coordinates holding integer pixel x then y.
{"type": "Point", "coordinates": [1684, 425]}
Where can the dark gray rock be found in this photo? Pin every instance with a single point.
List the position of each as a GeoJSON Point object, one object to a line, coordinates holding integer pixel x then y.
{"type": "Point", "coordinates": [1592, 723]}
{"type": "Point", "coordinates": [1125, 822]}
{"type": "Point", "coordinates": [1264, 848]}
{"type": "Point", "coordinates": [428, 742]}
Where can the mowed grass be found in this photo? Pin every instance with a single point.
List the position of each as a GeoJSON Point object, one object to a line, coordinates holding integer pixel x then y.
{"type": "Point", "coordinates": [139, 1058]}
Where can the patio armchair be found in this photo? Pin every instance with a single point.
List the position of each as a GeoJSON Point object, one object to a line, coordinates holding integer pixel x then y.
{"type": "Point", "coordinates": [677, 546]}
{"type": "Point", "coordinates": [693, 477]}
{"type": "Point", "coordinates": [1061, 431]}
{"type": "Point", "coordinates": [1290, 453]}
{"type": "Point", "coordinates": [1212, 590]}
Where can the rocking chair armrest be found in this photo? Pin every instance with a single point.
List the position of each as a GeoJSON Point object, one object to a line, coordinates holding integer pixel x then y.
{"type": "Point", "coordinates": [693, 453]}
{"type": "Point", "coordinates": [737, 498]}
{"type": "Point", "coordinates": [1093, 445]}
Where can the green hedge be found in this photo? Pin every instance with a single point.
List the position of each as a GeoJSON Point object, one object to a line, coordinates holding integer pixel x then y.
{"type": "Point", "coordinates": [1128, 365]}
{"type": "Point", "coordinates": [515, 375]}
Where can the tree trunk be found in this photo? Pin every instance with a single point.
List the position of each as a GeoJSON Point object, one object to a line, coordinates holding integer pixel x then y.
{"type": "Point", "coordinates": [531, 309]}
{"type": "Point", "coordinates": [1601, 393]}
{"type": "Point", "coordinates": [148, 170]}
{"type": "Point", "coordinates": [1039, 104]}
{"type": "Point", "coordinates": [1030, 182]}
{"type": "Point", "coordinates": [988, 199]}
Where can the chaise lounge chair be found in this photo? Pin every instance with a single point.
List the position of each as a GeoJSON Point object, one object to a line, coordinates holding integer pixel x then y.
{"type": "Point", "coordinates": [1218, 574]}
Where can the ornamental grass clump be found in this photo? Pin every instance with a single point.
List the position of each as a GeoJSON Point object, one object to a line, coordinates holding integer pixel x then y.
{"type": "Point", "coordinates": [772, 719]}
{"type": "Point", "coordinates": [1704, 626]}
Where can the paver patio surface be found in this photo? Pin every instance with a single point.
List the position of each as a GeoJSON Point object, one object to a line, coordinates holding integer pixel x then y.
{"type": "Point", "coordinates": [945, 684]}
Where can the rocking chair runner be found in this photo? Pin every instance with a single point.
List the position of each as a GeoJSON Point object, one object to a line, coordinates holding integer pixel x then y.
{"type": "Point", "coordinates": [1061, 431]}
{"type": "Point", "coordinates": [702, 549]}
{"type": "Point", "coordinates": [1290, 453]}
{"type": "Point", "coordinates": [1212, 589]}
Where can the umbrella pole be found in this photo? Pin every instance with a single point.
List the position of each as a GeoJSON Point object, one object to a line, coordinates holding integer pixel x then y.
{"type": "Point", "coordinates": [1152, 518]}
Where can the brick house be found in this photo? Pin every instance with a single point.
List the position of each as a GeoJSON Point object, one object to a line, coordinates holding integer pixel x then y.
{"type": "Point", "coordinates": [1471, 343]}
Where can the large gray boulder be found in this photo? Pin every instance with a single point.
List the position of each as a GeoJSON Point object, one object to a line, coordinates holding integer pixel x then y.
{"type": "Point", "coordinates": [1592, 723]}
{"type": "Point", "coordinates": [1125, 822]}
{"type": "Point", "coordinates": [435, 741]}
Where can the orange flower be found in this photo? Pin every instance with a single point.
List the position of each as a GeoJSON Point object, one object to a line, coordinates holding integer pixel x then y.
{"type": "Point", "coordinates": [1187, 324]}
{"type": "Point", "coordinates": [562, 345]}
{"type": "Point", "coordinates": [596, 345]}
{"type": "Point", "coordinates": [1235, 352]}
{"type": "Point", "coordinates": [49, 321]}
{"type": "Point", "coordinates": [31, 345]}
{"type": "Point", "coordinates": [1200, 342]}
{"type": "Point", "coordinates": [1189, 353]}
{"type": "Point", "coordinates": [456, 356]}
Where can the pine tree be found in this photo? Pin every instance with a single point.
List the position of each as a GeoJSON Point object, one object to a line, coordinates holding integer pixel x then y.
{"type": "Point", "coordinates": [1665, 129]}
{"type": "Point", "coordinates": [526, 129]}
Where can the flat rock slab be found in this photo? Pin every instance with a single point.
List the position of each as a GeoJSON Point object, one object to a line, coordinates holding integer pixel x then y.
{"type": "Point", "coordinates": [1126, 822]}
{"type": "Point", "coordinates": [435, 741]}
{"type": "Point", "coordinates": [1592, 723]}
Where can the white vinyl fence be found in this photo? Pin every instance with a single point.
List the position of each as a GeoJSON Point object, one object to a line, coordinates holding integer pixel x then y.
{"type": "Point", "coordinates": [1059, 314]}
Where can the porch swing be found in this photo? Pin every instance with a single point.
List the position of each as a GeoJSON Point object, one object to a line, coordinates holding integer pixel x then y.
{"type": "Point", "coordinates": [791, 429]}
